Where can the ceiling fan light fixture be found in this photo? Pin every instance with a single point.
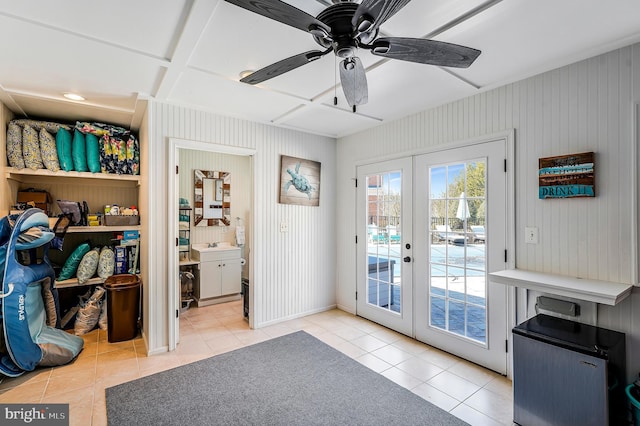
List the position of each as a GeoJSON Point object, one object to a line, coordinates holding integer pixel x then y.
{"type": "Point", "coordinates": [364, 23]}
{"type": "Point", "coordinates": [318, 31]}
{"type": "Point", "coordinates": [245, 73]}
{"type": "Point", "coordinates": [368, 37]}
{"type": "Point", "coordinates": [380, 48]}
{"type": "Point", "coordinates": [73, 96]}
{"type": "Point", "coordinates": [349, 64]}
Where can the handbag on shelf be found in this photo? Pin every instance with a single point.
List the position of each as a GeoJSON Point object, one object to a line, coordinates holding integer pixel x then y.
{"type": "Point", "coordinates": [78, 211]}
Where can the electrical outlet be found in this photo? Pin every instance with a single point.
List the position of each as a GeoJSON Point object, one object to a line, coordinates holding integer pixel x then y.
{"type": "Point", "coordinates": [531, 235]}
{"type": "Point", "coordinates": [284, 226]}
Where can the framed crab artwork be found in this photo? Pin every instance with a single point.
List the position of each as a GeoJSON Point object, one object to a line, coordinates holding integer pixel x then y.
{"type": "Point", "coordinates": [299, 181]}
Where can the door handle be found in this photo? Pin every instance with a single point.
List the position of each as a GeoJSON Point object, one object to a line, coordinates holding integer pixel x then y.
{"type": "Point", "coordinates": [407, 259]}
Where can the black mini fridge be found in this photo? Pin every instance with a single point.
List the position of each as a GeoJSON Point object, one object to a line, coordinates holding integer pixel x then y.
{"type": "Point", "coordinates": [567, 373]}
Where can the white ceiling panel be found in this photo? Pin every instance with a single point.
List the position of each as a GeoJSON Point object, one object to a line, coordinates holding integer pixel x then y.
{"type": "Point", "coordinates": [520, 38]}
{"type": "Point", "coordinates": [55, 61]}
{"type": "Point", "coordinates": [144, 25]}
{"type": "Point", "coordinates": [327, 120]}
{"type": "Point", "coordinates": [420, 18]}
{"type": "Point", "coordinates": [413, 87]}
{"type": "Point", "coordinates": [230, 98]}
{"type": "Point", "coordinates": [237, 40]}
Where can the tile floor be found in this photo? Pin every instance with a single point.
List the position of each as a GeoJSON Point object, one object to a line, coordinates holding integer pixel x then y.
{"type": "Point", "coordinates": [476, 395]}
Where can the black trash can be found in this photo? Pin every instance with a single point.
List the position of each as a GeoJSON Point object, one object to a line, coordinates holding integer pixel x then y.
{"type": "Point", "coordinates": [123, 307]}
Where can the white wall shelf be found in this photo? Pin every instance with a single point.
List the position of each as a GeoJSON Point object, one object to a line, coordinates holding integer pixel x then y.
{"type": "Point", "coordinates": [83, 229]}
{"type": "Point", "coordinates": [21, 175]}
{"type": "Point", "coordinates": [605, 292]}
{"type": "Point", "coordinates": [73, 282]}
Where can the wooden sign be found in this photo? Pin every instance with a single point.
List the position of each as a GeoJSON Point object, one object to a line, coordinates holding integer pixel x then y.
{"type": "Point", "coordinates": [566, 176]}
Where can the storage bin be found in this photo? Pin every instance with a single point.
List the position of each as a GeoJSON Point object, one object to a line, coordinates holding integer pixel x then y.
{"type": "Point", "coordinates": [123, 307]}
{"type": "Point", "coordinates": [110, 220]}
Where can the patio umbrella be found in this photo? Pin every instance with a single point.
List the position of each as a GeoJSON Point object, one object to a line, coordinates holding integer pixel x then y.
{"type": "Point", "coordinates": [463, 208]}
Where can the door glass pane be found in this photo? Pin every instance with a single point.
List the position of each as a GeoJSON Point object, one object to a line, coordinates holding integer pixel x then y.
{"type": "Point", "coordinates": [457, 255]}
{"type": "Point", "coordinates": [384, 286]}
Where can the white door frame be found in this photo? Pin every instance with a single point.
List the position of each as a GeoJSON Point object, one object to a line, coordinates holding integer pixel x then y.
{"type": "Point", "coordinates": [173, 289]}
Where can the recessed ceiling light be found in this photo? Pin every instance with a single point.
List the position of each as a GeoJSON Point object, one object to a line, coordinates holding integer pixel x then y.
{"type": "Point", "coordinates": [246, 73]}
{"type": "Point", "coordinates": [73, 97]}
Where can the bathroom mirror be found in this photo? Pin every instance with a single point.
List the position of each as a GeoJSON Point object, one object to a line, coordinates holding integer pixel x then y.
{"type": "Point", "coordinates": [212, 199]}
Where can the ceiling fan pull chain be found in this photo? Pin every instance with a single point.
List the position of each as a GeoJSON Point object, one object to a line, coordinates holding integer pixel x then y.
{"type": "Point", "coordinates": [335, 81]}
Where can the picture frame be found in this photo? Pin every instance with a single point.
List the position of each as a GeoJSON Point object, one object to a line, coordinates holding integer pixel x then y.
{"type": "Point", "coordinates": [212, 200]}
{"type": "Point", "coordinates": [299, 181]}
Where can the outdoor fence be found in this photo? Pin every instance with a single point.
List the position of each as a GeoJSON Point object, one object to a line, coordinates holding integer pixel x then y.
{"type": "Point", "coordinates": [455, 223]}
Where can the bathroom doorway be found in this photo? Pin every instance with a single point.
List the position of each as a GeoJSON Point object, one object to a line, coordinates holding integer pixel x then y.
{"type": "Point", "coordinates": [191, 157]}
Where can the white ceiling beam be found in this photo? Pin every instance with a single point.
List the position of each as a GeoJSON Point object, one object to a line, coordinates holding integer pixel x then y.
{"type": "Point", "coordinates": [187, 40]}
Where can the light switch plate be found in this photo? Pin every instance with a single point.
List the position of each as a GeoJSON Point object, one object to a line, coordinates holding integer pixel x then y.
{"type": "Point", "coordinates": [531, 235]}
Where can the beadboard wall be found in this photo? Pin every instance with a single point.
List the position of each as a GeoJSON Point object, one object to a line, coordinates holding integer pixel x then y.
{"type": "Point", "coordinates": [149, 309]}
{"type": "Point", "coordinates": [293, 272]}
{"type": "Point", "coordinates": [586, 106]}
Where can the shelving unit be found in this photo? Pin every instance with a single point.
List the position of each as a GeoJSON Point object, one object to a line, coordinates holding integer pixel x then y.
{"type": "Point", "coordinates": [21, 175]}
{"type": "Point", "coordinates": [91, 229]}
{"type": "Point", "coordinates": [96, 188]}
{"type": "Point", "coordinates": [186, 263]}
{"type": "Point", "coordinates": [184, 233]}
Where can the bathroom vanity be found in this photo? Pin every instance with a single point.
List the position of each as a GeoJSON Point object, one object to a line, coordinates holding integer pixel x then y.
{"type": "Point", "coordinates": [219, 273]}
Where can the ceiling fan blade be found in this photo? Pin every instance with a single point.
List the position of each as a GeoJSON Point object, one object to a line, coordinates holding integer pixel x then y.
{"type": "Point", "coordinates": [283, 66]}
{"type": "Point", "coordinates": [425, 51]}
{"type": "Point", "coordinates": [283, 12]}
{"type": "Point", "coordinates": [373, 13]}
{"type": "Point", "coordinates": [354, 81]}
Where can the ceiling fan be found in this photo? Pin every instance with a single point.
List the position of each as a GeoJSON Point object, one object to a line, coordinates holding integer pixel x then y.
{"type": "Point", "coordinates": [345, 26]}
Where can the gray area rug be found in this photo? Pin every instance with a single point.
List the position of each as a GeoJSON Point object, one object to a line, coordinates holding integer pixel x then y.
{"type": "Point", "coordinates": [290, 380]}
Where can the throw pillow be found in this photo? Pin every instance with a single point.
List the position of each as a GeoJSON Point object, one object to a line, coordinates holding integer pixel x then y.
{"type": "Point", "coordinates": [71, 264]}
{"type": "Point", "coordinates": [106, 262]}
{"type": "Point", "coordinates": [14, 146]}
{"type": "Point", "coordinates": [133, 156]}
{"type": "Point", "coordinates": [63, 146]}
{"type": "Point", "coordinates": [79, 152]}
{"type": "Point", "coordinates": [48, 151]}
{"type": "Point", "coordinates": [39, 124]}
{"type": "Point", "coordinates": [31, 149]}
{"type": "Point", "coordinates": [88, 266]}
{"type": "Point", "coordinates": [93, 153]}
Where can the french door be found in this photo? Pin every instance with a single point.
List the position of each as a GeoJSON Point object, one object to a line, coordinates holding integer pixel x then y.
{"type": "Point", "coordinates": [460, 223]}
{"type": "Point", "coordinates": [384, 277]}
{"type": "Point", "coordinates": [449, 209]}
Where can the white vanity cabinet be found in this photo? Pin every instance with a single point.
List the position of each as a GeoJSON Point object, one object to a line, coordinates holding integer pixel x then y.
{"type": "Point", "coordinates": [220, 270]}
